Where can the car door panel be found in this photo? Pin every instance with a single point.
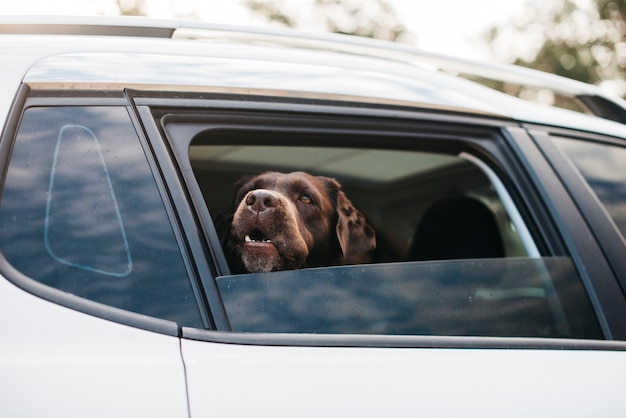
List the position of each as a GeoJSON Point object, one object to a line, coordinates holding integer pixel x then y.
{"type": "Point", "coordinates": [66, 362]}
{"type": "Point", "coordinates": [368, 382]}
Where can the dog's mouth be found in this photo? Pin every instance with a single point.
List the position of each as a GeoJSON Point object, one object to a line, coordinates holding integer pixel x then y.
{"type": "Point", "coordinates": [265, 247]}
{"type": "Point", "coordinates": [256, 236]}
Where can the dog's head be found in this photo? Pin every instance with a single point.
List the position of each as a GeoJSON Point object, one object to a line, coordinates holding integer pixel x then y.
{"type": "Point", "coordinates": [284, 221]}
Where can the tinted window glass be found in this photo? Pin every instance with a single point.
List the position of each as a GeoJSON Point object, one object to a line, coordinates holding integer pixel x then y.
{"type": "Point", "coordinates": [498, 297]}
{"type": "Point", "coordinates": [604, 167]}
{"type": "Point", "coordinates": [81, 212]}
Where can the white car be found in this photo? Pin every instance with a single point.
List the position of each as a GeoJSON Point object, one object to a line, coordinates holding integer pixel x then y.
{"type": "Point", "coordinates": [122, 140]}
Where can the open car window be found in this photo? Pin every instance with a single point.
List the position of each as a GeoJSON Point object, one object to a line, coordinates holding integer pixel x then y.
{"type": "Point", "coordinates": [423, 205]}
{"type": "Point", "coordinates": [453, 256]}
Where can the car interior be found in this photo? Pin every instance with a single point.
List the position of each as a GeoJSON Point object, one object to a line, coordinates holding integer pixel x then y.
{"type": "Point", "coordinates": [410, 197]}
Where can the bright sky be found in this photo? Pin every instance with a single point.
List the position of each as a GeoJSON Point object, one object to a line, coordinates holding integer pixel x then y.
{"type": "Point", "coordinates": [453, 27]}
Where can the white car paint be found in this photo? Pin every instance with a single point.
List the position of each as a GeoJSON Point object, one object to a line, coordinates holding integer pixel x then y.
{"type": "Point", "coordinates": [55, 361]}
{"type": "Point", "coordinates": [240, 381]}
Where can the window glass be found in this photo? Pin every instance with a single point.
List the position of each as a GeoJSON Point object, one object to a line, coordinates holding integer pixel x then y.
{"type": "Point", "coordinates": [81, 212]}
{"type": "Point", "coordinates": [518, 297]}
{"type": "Point", "coordinates": [604, 168]}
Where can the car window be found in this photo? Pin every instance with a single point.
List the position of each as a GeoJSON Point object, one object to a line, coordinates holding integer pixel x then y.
{"type": "Point", "coordinates": [522, 297]}
{"type": "Point", "coordinates": [603, 167]}
{"type": "Point", "coordinates": [452, 257]}
{"type": "Point", "coordinates": [81, 212]}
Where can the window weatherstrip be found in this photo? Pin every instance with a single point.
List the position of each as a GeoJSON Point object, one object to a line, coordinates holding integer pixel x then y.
{"type": "Point", "coordinates": [509, 206]}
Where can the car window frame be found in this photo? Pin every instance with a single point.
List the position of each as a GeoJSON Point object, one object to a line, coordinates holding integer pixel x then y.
{"type": "Point", "coordinates": [499, 154]}
{"type": "Point", "coordinates": [605, 230]}
{"type": "Point", "coordinates": [545, 162]}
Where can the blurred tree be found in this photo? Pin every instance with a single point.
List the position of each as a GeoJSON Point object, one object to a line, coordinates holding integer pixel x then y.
{"type": "Point", "coordinates": [131, 7]}
{"type": "Point", "coordinates": [580, 39]}
{"type": "Point", "coordinates": [372, 19]}
{"type": "Point", "coordinates": [272, 11]}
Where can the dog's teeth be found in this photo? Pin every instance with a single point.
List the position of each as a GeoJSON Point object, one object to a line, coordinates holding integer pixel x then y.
{"type": "Point", "coordinates": [248, 239]}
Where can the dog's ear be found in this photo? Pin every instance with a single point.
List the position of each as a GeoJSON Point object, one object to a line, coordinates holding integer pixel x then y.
{"type": "Point", "coordinates": [355, 236]}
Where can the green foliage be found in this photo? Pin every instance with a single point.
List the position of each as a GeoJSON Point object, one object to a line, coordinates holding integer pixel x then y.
{"type": "Point", "coordinates": [583, 40]}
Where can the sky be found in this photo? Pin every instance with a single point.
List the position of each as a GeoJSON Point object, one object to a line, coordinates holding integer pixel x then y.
{"type": "Point", "coordinates": [453, 27]}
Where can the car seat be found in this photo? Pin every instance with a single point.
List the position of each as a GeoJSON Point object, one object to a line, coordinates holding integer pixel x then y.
{"type": "Point", "coordinates": [457, 228]}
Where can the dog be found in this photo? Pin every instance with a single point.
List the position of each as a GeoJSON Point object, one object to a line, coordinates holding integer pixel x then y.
{"type": "Point", "coordinates": [287, 221]}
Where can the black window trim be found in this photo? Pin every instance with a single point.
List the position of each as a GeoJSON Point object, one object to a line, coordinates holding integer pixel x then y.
{"type": "Point", "coordinates": [596, 273]}
{"type": "Point", "coordinates": [274, 122]}
{"type": "Point", "coordinates": [455, 128]}
{"type": "Point", "coordinates": [601, 224]}
{"type": "Point", "coordinates": [205, 259]}
{"type": "Point", "coordinates": [190, 265]}
{"type": "Point", "coordinates": [398, 341]}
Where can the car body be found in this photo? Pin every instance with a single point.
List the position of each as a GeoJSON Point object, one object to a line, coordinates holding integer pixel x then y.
{"type": "Point", "coordinates": [121, 142]}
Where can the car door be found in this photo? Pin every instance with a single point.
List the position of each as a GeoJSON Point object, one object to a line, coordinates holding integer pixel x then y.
{"type": "Point", "coordinates": [90, 270]}
{"type": "Point", "coordinates": [519, 333]}
{"type": "Point", "coordinates": [240, 378]}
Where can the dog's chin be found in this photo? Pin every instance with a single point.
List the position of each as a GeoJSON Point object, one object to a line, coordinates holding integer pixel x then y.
{"type": "Point", "coordinates": [260, 257]}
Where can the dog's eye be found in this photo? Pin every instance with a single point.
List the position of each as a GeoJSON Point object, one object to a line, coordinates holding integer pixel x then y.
{"type": "Point", "coordinates": [306, 199]}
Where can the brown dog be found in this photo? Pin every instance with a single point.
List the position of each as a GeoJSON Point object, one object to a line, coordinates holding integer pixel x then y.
{"type": "Point", "coordinates": [284, 221]}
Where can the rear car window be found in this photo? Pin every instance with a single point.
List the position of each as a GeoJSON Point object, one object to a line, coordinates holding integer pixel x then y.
{"type": "Point", "coordinates": [453, 254]}
{"type": "Point", "coordinates": [81, 212]}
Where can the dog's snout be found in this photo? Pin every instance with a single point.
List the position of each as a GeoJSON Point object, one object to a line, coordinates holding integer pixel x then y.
{"type": "Point", "coordinates": [261, 200]}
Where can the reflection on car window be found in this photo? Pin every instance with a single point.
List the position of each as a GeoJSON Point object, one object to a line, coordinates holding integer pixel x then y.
{"type": "Point", "coordinates": [519, 297]}
{"type": "Point", "coordinates": [64, 232]}
{"type": "Point", "coordinates": [81, 212]}
{"type": "Point", "coordinates": [603, 167]}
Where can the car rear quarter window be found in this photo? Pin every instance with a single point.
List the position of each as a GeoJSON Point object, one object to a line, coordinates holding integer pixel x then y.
{"type": "Point", "coordinates": [81, 212]}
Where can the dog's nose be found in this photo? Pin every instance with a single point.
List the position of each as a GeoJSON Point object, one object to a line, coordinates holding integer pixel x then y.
{"type": "Point", "coordinates": [261, 200]}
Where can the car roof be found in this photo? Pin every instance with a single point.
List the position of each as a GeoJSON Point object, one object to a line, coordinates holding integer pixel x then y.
{"type": "Point", "coordinates": [113, 52]}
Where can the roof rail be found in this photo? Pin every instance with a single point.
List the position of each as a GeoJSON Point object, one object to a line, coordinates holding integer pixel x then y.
{"type": "Point", "coordinates": [86, 25]}
{"type": "Point", "coordinates": [589, 97]}
{"type": "Point", "coordinates": [593, 99]}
